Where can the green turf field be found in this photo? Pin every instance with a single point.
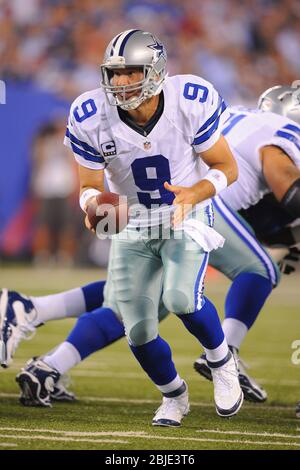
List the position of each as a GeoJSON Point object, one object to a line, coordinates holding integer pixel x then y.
{"type": "Point", "coordinates": [116, 401]}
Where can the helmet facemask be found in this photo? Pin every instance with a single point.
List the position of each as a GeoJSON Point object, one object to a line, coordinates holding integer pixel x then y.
{"type": "Point", "coordinates": [149, 86]}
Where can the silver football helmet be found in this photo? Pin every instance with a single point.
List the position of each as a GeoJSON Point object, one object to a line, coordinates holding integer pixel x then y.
{"type": "Point", "coordinates": [134, 48]}
{"type": "Point", "coordinates": [284, 100]}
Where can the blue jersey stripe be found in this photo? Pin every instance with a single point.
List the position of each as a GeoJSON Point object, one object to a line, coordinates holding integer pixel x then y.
{"type": "Point", "coordinates": [84, 145]}
{"type": "Point", "coordinates": [86, 155]}
{"type": "Point", "coordinates": [290, 137]}
{"type": "Point", "coordinates": [216, 114]}
{"type": "Point", "coordinates": [204, 137]}
{"type": "Point", "coordinates": [292, 128]}
{"type": "Point", "coordinates": [232, 121]}
{"type": "Point", "coordinates": [123, 44]}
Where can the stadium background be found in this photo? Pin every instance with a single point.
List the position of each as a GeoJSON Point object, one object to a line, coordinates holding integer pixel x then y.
{"type": "Point", "coordinates": [50, 51]}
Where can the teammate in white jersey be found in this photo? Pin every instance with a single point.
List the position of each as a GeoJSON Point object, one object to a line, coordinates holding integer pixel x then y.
{"type": "Point", "coordinates": [267, 148]}
{"type": "Point", "coordinates": [151, 135]}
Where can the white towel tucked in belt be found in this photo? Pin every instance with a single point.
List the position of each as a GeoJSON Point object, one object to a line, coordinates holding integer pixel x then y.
{"type": "Point", "coordinates": [208, 238]}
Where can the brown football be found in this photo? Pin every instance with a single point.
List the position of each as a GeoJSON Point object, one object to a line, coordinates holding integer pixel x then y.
{"type": "Point", "coordinates": [108, 213]}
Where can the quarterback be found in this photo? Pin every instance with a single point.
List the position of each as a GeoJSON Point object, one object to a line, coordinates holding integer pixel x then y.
{"type": "Point", "coordinates": [159, 142]}
{"type": "Point", "coordinates": [242, 258]}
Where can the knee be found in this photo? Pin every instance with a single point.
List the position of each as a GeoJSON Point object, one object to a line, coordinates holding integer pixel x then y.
{"type": "Point", "coordinates": [176, 301]}
{"type": "Point", "coordinates": [142, 332]}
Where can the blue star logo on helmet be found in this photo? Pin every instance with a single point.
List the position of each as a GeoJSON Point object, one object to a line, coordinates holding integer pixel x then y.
{"type": "Point", "coordinates": [158, 47]}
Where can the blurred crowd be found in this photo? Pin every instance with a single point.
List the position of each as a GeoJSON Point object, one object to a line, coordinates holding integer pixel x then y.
{"type": "Point", "coordinates": [242, 46]}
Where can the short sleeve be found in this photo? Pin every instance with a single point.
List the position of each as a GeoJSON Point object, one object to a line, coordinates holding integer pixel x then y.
{"type": "Point", "coordinates": [79, 138]}
{"type": "Point", "coordinates": [210, 123]}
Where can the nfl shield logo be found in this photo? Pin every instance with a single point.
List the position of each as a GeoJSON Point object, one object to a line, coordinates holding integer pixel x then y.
{"type": "Point", "coordinates": [147, 145]}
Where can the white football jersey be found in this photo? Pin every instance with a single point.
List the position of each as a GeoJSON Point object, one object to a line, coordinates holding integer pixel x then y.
{"type": "Point", "coordinates": [137, 166]}
{"type": "Point", "coordinates": [247, 131]}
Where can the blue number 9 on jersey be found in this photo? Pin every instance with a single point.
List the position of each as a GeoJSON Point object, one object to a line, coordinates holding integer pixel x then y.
{"type": "Point", "coordinates": [193, 90]}
{"type": "Point", "coordinates": [149, 175]}
{"type": "Point", "coordinates": [88, 109]}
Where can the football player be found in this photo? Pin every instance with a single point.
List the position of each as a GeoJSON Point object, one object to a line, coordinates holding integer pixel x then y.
{"type": "Point", "coordinates": [159, 141]}
{"type": "Point", "coordinates": [270, 226]}
{"type": "Point", "coordinates": [266, 144]}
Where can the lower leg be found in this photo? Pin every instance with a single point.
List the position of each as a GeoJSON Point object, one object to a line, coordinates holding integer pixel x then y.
{"type": "Point", "coordinates": [155, 357]}
{"type": "Point", "coordinates": [205, 325]}
{"type": "Point", "coordinates": [92, 332]}
{"type": "Point", "coordinates": [244, 301]}
{"type": "Point", "coordinates": [72, 303]}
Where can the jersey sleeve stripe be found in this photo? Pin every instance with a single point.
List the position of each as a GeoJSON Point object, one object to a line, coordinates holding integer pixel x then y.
{"type": "Point", "coordinates": [290, 137]}
{"type": "Point", "coordinates": [204, 137]}
{"type": "Point", "coordinates": [84, 145]}
{"type": "Point", "coordinates": [292, 128]}
{"type": "Point", "coordinates": [86, 155]}
{"type": "Point", "coordinates": [221, 108]}
{"type": "Point", "coordinates": [231, 122]}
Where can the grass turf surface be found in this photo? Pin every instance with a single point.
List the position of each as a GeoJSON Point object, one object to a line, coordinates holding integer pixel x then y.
{"type": "Point", "coordinates": [116, 401]}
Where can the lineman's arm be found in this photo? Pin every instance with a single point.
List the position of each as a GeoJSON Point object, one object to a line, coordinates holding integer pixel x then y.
{"type": "Point", "coordinates": [282, 177]}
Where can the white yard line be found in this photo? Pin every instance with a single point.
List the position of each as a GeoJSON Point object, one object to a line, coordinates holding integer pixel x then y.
{"type": "Point", "coordinates": [141, 401]}
{"type": "Point", "coordinates": [76, 433]}
{"type": "Point", "coordinates": [142, 435]}
{"type": "Point", "coordinates": [157, 438]}
{"type": "Point", "coordinates": [8, 444]}
{"type": "Point", "coordinates": [68, 439]}
{"type": "Point", "coordinates": [247, 433]}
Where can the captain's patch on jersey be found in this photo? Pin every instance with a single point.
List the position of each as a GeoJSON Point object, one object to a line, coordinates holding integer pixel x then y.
{"type": "Point", "coordinates": [109, 148]}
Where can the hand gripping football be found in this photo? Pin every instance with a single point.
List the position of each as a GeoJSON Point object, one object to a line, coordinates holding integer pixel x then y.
{"type": "Point", "coordinates": [108, 213]}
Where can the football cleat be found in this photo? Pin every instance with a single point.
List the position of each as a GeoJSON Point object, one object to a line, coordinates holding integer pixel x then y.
{"type": "Point", "coordinates": [252, 390]}
{"type": "Point", "coordinates": [37, 381]}
{"type": "Point", "coordinates": [227, 390]}
{"type": "Point", "coordinates": [200, 366]}
{"type": "Point", "coordinates": [298, 411]}
{"type": "Point", "coordinates": [60, 391]}
{"type": "Point", "coordinates": [172, 410]}
{"type": "Point", "coordinates": [17, 314]}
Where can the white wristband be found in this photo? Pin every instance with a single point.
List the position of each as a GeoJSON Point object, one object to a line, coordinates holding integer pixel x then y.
{"type": "Point", "coordinates": [87, 194]}
{"type": "Point", "coordinates": [217, 178]}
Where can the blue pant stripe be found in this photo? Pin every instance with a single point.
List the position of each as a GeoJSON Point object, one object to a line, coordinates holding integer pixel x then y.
{"type": "Point", "coordinates": [198, 291]}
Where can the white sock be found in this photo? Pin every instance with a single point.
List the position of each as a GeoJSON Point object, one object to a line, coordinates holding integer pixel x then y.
{"type": "Point", "coordinates": [217, 354]}
{"type": "Point", "coordinates": [172, 386]}
{"type": "Point", "coordinates": [63, 358]}
{"type": "Point", "coordinates": [234, 331]}
{"type": "Point", "coordinates": [65, 304]}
